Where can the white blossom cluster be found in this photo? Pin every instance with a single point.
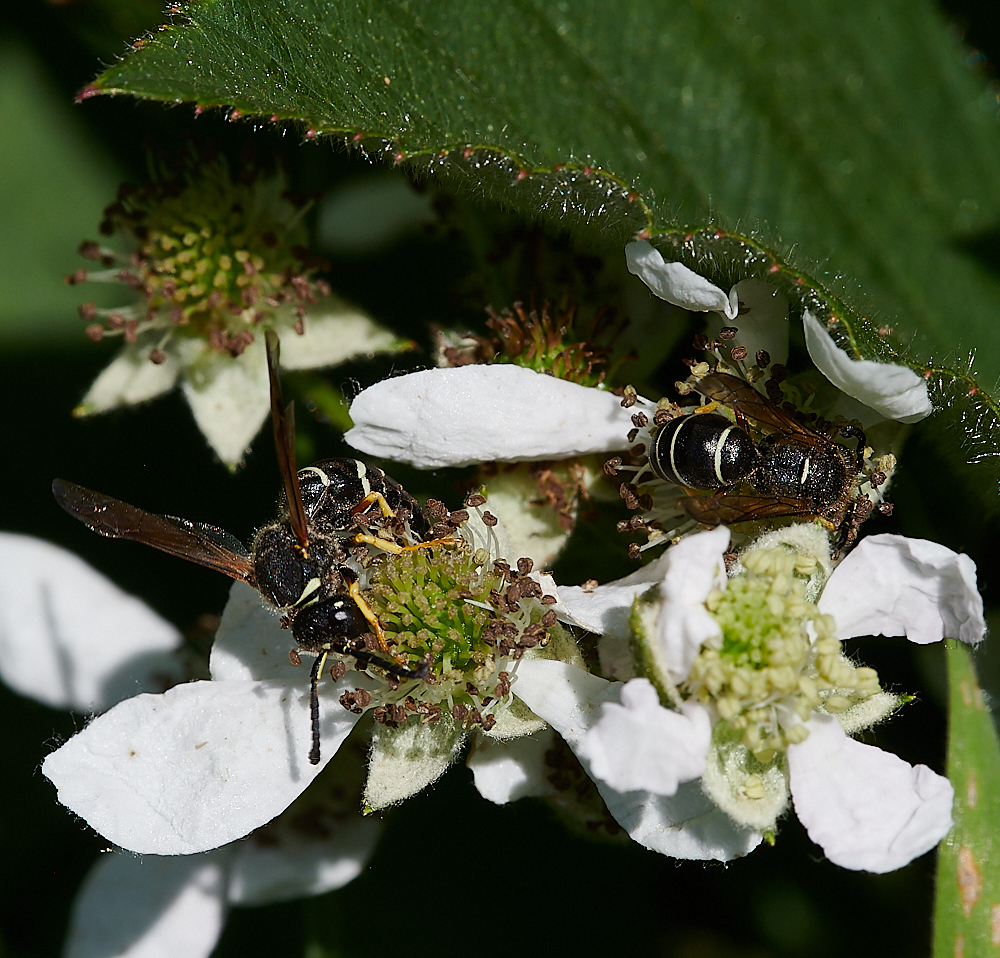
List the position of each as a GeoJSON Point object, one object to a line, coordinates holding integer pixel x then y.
{"type": "Point", "coordinates": [695, 745]}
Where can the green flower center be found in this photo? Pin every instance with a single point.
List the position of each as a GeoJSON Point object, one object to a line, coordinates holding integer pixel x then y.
{"type": "Point", "coordinates": [767, 675]}
{"type": "Point", "coordinates": [445, 607]}
{"type": "Point", "coordinates": [213, 257]}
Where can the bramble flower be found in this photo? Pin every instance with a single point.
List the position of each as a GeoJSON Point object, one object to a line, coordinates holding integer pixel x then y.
{"type": "Point", "coordinates": [477, 413]}
{"type": "Point", "coordinates": [208, 762]}
{"type": "Point", "coordinates": [215, 262]}
{"type": "Point", "coordinates": [72, 639]}
{"type": "Point", "coordinates": [738, 697]}
{"type": "Point", "coordinates": [477, 407]}
{"type": "Point", "coordinates": [894, 392]}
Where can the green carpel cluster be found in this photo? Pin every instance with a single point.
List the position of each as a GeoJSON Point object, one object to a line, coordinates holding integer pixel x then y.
{"type": "Point", "coordinates": [767, 675]}
{"type": "Point", "coordinates": [425, 601]}
{"type": "Point", "coordinates": [213, 257]}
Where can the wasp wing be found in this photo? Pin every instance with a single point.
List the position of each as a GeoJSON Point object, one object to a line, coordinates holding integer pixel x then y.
{"type": "Point", "coordinates": [713, 510]}
{"type": "Point", "coordinates": [283, 419]}
{"type": "Point", "coordinates": [741, 396]}
{"type": "Point", "coordinates": [207, 545]}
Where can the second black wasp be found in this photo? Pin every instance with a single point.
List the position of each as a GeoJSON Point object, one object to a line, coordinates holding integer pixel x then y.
{"type": "Point", "coordinates": [791, 470]}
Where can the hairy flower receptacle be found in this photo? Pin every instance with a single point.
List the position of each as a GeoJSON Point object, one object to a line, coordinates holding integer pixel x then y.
{"type": "Point", "coordinates": [467, 620]}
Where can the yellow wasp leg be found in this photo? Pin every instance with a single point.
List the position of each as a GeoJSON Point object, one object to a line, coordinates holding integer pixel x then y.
{"type": "Point", "coordinates": [366, 610]}
{"type": "Point", "coordinates": [387, 545]}
{"type": "Point", "coordinates": [384, 506]}
{"type": "Point", "coordinates": [446, 541]}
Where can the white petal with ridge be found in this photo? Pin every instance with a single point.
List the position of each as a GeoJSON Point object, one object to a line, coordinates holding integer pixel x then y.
{"type": "Point", "coordinates": [456, 417]}
{"type": "Point", "coordinates": [894, 585]}
{"type": "Point", "coordinates": [867, 809]}
{"type": "Point", "coordinates": [893, 391]}
{"type": "Point", "coordinates": [229, 396]}
{"type": "Point", "coordinates": [130, 378]}
{"type": "Point", "coordinates": [676, 283]}
{"type": "Point", "coordinates": [199, 766]}
{"type": "Point", "coordinates": [70, 638]}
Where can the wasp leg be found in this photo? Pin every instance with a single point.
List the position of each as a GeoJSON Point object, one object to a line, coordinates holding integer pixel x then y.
{"type": "Point", "coordinates": [710, 406]}
{"type": "Point", "coordinates": [372, 497]}
{"type": "Point", "coordinates": [386, 545]}
{"type": "Point", "coordinates": [366, 610]}
{"type": "Point", "coordinates": [446, 541]}
{"type": "Point", "coordinates": [400, 671]}
{"type": "Point", "coordinates": [317, 671]}
{"type": "Point", "coordinates": [853, 432]}
{"type": "Point", "coordinates": [394, 548]}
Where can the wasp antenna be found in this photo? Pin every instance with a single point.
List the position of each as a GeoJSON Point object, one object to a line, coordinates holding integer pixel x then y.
{"type": "Point", "coordinates": [317, 671]}
{"type": "Point", "coordinates": [283, 419]}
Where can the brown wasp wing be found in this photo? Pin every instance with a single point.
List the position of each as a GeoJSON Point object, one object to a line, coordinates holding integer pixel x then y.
{"type": "Point", "coordinates": [283, 419]}
{"type": "Point", "coordinates": [713, 510]}
{"type": "Point", "coordinates": [207, 545]}
{"type": "Point", "coordinates": [741, 396]}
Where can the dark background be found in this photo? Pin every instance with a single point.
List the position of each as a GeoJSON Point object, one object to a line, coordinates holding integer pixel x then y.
{"type": "Point", "coordinates": [453, 873]}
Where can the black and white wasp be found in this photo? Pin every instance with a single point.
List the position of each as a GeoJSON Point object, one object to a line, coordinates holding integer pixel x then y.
{"type": "Point", "coordinates": [790, 471]}
{"type": "Point", "coordinates": [301, 562]}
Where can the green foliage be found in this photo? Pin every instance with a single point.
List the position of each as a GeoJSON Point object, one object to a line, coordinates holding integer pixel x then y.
{"type": "Point", "coordinates": [862, 139]}
{"type": "Point", "coordinates": [968, 882]}
{"type": "Point", "coordinates": [55, 183]}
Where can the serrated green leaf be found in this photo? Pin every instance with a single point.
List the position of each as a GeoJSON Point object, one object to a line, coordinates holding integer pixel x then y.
{"type": "Point", "coordinates": [967, 914]}
{"type": "Point", "coordinates": [856, 134]}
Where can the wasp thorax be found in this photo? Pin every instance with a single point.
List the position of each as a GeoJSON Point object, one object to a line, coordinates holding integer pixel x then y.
{"type": "Point", "coordinates": [464, 616]}
{"type": "Point", "coordinates": [766, 675]}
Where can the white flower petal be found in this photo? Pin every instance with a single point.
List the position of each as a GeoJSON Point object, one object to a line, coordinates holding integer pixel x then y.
{"type": "Point", "coordinates": [641, 746]}
{"type": "Point", "coordinates": [250, 642]}
{"type": "Point", "coordinates": [334, 331]}
{"type": "Point", "coordinates": [762, 321]}
{"type": "Point", "coordinates": [895, 392]}
{"type": "Point", "coordinates": [229, 396]}
{"type": "Point", "coordinates": [694, 568]}
{"type": "Point", "coordinates": [406, 760]}
{"type": "Point", "coordinates": [506, 771]}
{"type": "Point", "coordinates": [605, 609]}
{"type": "Point", "coordinates": [303, 865]}
{"type": "Point", "coordinates": [199, 766]}
{"type": "Point", "coordinates": [868, 809]}
{"type": "Point", "coordinates": [567, 697]}
{"type": "Point", "coordinates": [151, 907]}
{"type": "Point", "coordinates": [130, 378]}
{"type": "Point", "coordinates": [677, 284]}
{"type": "Point", "coordinates": [69, 637]}
{"type": "Point", "coordinates": [892, 585]}
{"type": "Point", "coordinates": [319, 843]}
{"type": "Point", "coordinates": [455, 417]}
{"type": "Point", "coordinates": [686, 825]}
